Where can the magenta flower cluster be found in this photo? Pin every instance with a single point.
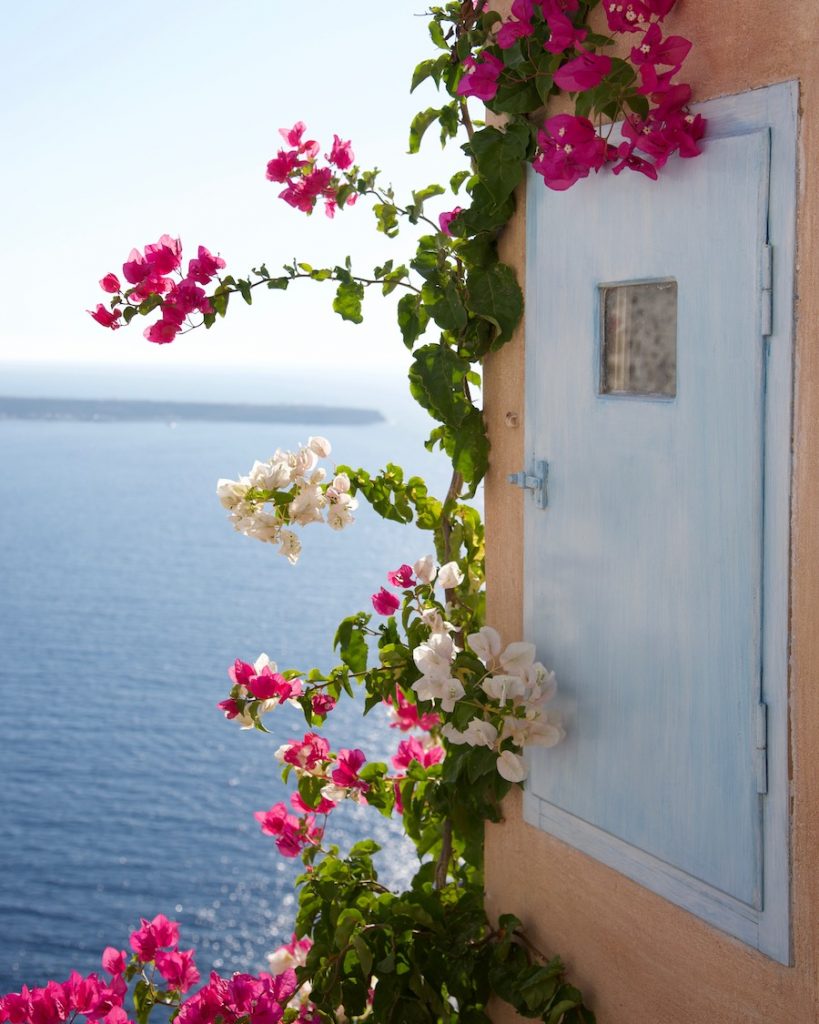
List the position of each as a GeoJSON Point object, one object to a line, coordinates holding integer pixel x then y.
{"type": "Point", "coordinates": [386, 603]}
{"type": "Point", "coordinates": [306, 180]}
{"type": "Point", "coordinates": [570, 146]}
{"type": "Point", "coordinates": [155, 275]}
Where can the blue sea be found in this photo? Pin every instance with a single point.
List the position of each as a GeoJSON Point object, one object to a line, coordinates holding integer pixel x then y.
{"type": "Point", "coordinates": [125, 596]}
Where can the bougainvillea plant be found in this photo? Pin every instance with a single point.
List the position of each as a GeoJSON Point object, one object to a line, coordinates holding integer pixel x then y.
{"type": "Point", "coordinates": [466, 702]}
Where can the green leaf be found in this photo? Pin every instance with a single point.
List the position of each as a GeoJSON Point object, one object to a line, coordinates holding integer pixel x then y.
{"type": "Point", "coordinates": [436, 382]}
{"type": "Point", "coordinates": [458, 179]}
{"type": "Point", "coordinates": [436, 34]}
{"type": "Point", "coordinates": [422, 120]}
{"type": "Point", "coordinates": [244, 288]}
{"type": "Point", "coordinates": [432, 68]}
{"type": "Point", "coordinates": [279, 283]}
{"type": "Point", "coordinates": [347, 302]}
{"type": "Point", "coordinates": [519, 98]}
{"type": "Point", "coordinates": [386, 215]}
{"type": "Point", "coordinates": [129, 313]}
{"type": "Point", "coordinates": [219, 301]}
{"type": "Point", "coordinates": [412, 318]}
{"type": "Point", "coordinates": [445, 306]}
{"type": "Point", "coordinates": [423, 194]}
{"type": "Point", "coordinates": [500, 157]}
{"type": "Point", "coordinates": [493, 294]}
{"type": "Point", "coordinates": [350, 643]}
{"type": "Point", "coordinates": [365, 957]}
{"type": "Point", "coordinates": [639, 104]}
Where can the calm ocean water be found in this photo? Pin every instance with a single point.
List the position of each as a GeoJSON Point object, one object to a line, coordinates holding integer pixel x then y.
{"type": "Point", "coordinates": [125, 595]}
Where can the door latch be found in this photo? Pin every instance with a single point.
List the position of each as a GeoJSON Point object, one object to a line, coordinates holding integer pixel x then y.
{"type": "Point", "coordinates": [535, 482]}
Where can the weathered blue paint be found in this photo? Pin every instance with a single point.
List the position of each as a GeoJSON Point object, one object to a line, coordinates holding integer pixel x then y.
{"type": "Point", "coordinates": [656, 578]}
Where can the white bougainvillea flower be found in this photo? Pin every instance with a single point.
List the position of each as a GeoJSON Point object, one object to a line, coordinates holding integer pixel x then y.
{"type": "Point", "coordinates": [341, 483]}
{"type": "Point", "coordinates": [425, 569]}
{"type": "Point", "coordinates": [451, 692]}
{"type": "Point", "coordinates": [290, 546]}
{"type": "Point", "coordinates": [434, 657]}
{"type": "Point", "coordinates": [541, 685]}
{"type": "Point", "coordinates": [437, 623]}
{"type": "Point", "coordinates": [307, 505]}
{"type": "Point", "coordinates": [503, 687]}
{"type": "Point", "coordinates": [511, 767]}
{"type": "Point", "coordinates": [339, 514]}
{"type": "Point", "coordinates": [486, 644]}
{"type": "Point", "coordinates": [428, 688]}
{"type": "Point", "coordinates": [320, 445]}
{"type": "Point", "coordinates": [545, 731]}
{"type": "Point", "coordinates": [231, 492]}
{"type": "Point", "coordinates": [518, 658]}
{"type": "Point", "coordinates": [477, 733]}
{"type": "Point", "coordinates": [450, 576]}
{"type": "Point", "coordinates": [270, 476]}
{"type": "Point", "coordinates": [264, 526]}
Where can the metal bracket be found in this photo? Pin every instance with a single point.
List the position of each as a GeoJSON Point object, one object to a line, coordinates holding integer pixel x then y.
{"type": "Point", "coordinates": [761, 751]}
{"type": "Point", "coordinates": [766, 286]}
{"type": "Point", "coordinates": [535, 482]}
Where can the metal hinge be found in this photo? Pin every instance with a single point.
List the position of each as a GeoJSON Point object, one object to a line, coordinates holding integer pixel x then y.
{"type": "Point", "coordinates": [766, 286]}
{"type": "Point", "coordinates": [535, 482]}
{"type": "Point", "coordinates": [761, 751]}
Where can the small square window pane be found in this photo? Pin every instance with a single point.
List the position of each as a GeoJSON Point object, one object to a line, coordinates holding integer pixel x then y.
{"type": "Point", "coordinates": [639, 338]}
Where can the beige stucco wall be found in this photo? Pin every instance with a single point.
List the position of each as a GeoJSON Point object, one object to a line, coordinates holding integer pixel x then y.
{"type": "Point", "coordinates": [637, 958]}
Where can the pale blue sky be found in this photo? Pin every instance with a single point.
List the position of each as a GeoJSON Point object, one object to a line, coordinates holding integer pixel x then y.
{"type": "Point", "coordinates": [121, 122]}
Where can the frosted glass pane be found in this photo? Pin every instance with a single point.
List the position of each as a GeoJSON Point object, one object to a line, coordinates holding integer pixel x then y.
{"type": "Point", "coordinates": [639, 338]}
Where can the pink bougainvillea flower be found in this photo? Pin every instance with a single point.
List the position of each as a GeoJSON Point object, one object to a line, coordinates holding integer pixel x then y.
{"type": "Point", "coordinates": [385, 603]}
{"type": "Point", "coordinates": [268, 684]}
{"type": "Point", "coordinates": [293, 137]}
{"type": "Point", "coordinates": [106, 317]}
{"type": "Point", "coordinates": [324, 805]}
{"type": "Point", "coordinates": [114, 960]}
{"type": "Point", "coordinates": [341, 154]}
{"type": "Point", "coordinates": [511, 30]}
{"type": "Point", "coordinates": [322, 703]}
{"type": "Point", "coordinates": [185, 298]}
{"type": "Point", "coordinates": [310, 752]}
{"type": "Point", "coordinates": [401, 577]}
{"type": "Point", "coordinates": [407, 716]}
{"type": "Point", "coordinates": [481, 80]}
{"type": "Point", "coordinates": [110, 283]}
{"type": "Point", "coordinates": [153, 935]}
{"type": "Point", "coordinates": [230, 708]}
{"type": "Point", "coordinates": [627, 15]}
{"type": "Point", "coordinates": [411, 749]}
{"type": "Point", "coordinates": [583, 72]}
{"type": "Point", "coordinates": [282, 166]}
{"type": "Point", "coordinates": [562, 33]}
{"type": "Point", "coordinates": [655, 51]}
{"type": "Point", "coordinates": [292, 833]}
{"type": "Point", "coordinates": [446, 218]}
{"type": "Point", "coordinates": [241, 673]}
{"type": "Point", "coordinates": [162, 332]}
{"type": "Point", "coordinates": [302, 194]}
{"type": "Point", "coordinates": [178, 969]}
{"type": "Point", "coordinates": [135, 268]}
{"type": "Point", "coordinates": [629, 160]}
{"type": "Point", "coordinates": [164, 256]}
{"type": "Point", "coordinates": [204, 266]}
{"type": "Point", "coordinates": [570, 149]}
{"type": "Point", "coordinates": [346, 771]}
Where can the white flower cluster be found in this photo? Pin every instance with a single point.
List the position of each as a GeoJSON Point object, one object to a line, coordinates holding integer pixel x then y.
{"type": "Point", "coordinates": [518, 685]}
{"type": "Point", "coordinates": [288, 489]}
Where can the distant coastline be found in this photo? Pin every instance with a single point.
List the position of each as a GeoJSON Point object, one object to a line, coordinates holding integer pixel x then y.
{"type": "Point", "coordinates": [94, 410]}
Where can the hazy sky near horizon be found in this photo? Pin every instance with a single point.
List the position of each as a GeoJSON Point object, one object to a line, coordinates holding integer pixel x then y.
{"type": "Point", "coordinates": [122, 123]}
